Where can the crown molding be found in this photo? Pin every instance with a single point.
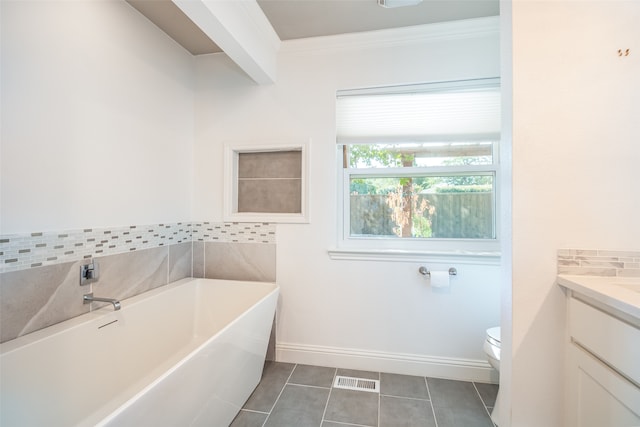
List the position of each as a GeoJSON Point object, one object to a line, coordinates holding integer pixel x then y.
{"type": "Point", "coordinates": [452, 30]}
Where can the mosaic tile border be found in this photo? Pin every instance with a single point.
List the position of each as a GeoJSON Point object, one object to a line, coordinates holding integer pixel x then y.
{"type": "Point", "coordinates": [37, 249]}
{"type": "Point", "coordinates": [598, 262]}
{"type": "Point", "coordinates": [234, 232]}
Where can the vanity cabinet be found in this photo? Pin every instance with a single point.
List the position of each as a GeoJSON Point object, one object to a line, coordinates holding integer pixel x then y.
{"type": "Point", "coordinates": [603, 366]}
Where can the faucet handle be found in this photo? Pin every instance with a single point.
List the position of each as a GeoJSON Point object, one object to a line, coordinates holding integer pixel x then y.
{"type": "Point", "coordinates": [89, 273]}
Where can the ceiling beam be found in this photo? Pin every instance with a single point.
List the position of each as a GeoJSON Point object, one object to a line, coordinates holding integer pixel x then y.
{"type": "Point", "coordinates": [241, 30]}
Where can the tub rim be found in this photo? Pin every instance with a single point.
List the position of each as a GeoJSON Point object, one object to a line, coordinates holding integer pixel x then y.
{"type": "Point", "coordinates": [75, 322]}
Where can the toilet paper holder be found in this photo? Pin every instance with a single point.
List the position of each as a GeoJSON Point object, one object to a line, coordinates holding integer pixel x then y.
{"type": "Point", "coordinates": [425, 271]}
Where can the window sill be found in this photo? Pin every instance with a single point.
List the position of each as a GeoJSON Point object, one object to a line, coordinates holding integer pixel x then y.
{"type": "Point", "coordinates": [395, 255]}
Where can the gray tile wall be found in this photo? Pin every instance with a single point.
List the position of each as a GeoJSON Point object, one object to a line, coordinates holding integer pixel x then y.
{"type": "Point", "coordinates": [599, 262]}
{"type": "Point", "coordinates": [39, 297]}
{"type": "Point", "coordinates": [270, 182]}
{"type": "Point", "coordinates": [270, 164]}
{"type": "Point", "coordinates": [270, 196]}
{"type": "Point", "coordinates": [237, 261]}
{"type": "Point", "coordinates": [34, 296]}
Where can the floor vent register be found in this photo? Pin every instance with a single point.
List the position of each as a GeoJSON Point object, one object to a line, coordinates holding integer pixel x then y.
{"type": "Point", "coordinates": [358, 384]}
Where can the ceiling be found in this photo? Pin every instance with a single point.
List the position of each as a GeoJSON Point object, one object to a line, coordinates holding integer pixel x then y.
{"type": "Point", "coordinates": [296, 19]}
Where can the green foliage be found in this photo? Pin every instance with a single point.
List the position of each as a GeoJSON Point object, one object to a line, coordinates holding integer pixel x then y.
{"type": "Point", "coordinates": [480, 188]}
{"type": "Point", "coordinates": [374, 156]}
{"type": "Point", "coordinates": [421, 227]}
{"type": "Point", "coordinates": [373, 186]}
{"type": "Point", "coordinates": [468, 180]}
{"type": "Point", "coordinates": [362, 186]}
{"type": "Point", "coordinates": [469, 160]}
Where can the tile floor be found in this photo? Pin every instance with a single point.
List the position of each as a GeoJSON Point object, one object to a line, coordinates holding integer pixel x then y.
{"type": "Point", "coordinates": [292, 395]}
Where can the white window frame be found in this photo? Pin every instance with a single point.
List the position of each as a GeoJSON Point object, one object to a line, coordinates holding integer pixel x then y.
{"type": "Point", "coordinates": [413, 249]}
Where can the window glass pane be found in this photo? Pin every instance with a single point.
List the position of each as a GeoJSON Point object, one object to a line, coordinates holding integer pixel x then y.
{"type": "Point", "coordinates": [454, 206]}
{"type": "Point", "coordinates": [420, 154]}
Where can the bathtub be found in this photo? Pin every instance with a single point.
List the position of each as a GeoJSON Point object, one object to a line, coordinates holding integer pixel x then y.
{"type": "Point", "coordinates": [186, 354]}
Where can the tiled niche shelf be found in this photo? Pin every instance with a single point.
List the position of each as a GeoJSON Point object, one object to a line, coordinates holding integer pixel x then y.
{"type": "Point", "coordinates": [266, 183]}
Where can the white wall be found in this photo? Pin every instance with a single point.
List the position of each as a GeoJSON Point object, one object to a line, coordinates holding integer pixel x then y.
{"type": "Point", "coordinates": [97, 118]}
{"type": "Point", "coordinates": [332, 309]}
{"type": "Point", "coordinates": [576, 106]}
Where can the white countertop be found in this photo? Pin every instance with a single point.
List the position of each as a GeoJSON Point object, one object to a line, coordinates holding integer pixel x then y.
{"type": "Point", "coordinates": [607, 290]}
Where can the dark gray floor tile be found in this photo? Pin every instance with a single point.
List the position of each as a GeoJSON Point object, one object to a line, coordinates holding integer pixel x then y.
{"type": "Point", "coordinates": [403, 386]}
{"type": "Point", "coordinates": [249, 419]}
{"type": "Point", "coordinates": [356, 407]}
{"type": "Point", "coordinates": [332, 424]}
{"type": "Point", "coordinates": [359, 374]}
{"type": "Point", "coordinates": [451, 392]}
{"type": "Point", "coordinates": [457, 417]}
{"type": "Point", "coordinates": [404, 400]}
{"type": "Point", "coordinates": [401, 412]}
{"type": "Point", "coordinates": [274, 377]}
{"type": "Point", "coordinates": [299, 406]}
{"type": "Point", "coordinates": [456, 403]}
{"type": "Point", "coordinates": [488, 393]}
{"type": "Point", "coordinates": [318, 376]}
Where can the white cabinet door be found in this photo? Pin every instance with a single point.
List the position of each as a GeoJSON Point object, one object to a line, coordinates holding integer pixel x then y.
{"type": "Point", "coordinates": [597, 396]}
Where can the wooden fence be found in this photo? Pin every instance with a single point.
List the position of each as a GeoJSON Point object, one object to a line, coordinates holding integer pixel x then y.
{"type": "Point", "coordinates": [456, 215]}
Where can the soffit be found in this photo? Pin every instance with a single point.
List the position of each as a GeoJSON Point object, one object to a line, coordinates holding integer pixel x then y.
{"type": "Point", "coordinates": [170, 19]}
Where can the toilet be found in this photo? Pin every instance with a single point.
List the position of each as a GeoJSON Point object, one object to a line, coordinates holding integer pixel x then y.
{"type": "Point", "coordinates": [492, 349]}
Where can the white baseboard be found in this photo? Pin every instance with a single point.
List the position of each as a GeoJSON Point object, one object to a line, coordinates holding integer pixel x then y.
{"type": "Point", "coordinates": [394, 363]}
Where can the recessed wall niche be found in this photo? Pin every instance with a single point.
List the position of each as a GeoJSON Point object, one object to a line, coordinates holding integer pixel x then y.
{"type": "Point", "coordinates": [266, 183]}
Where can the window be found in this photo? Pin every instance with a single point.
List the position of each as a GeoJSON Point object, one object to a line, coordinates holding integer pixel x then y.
{"type": "Point", "coordinates": [418, 166]}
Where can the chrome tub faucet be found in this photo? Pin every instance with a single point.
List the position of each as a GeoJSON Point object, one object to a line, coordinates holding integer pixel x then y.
{"type": "Point", "coordinates": [88, 298]}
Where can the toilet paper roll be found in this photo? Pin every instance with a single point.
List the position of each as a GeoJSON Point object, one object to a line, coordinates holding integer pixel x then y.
{"type": "Point", "coordinates": [440, 279]}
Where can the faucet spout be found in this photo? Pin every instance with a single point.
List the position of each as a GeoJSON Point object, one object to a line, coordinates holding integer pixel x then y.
{"type": "Point", "coordinates": [88, 298]}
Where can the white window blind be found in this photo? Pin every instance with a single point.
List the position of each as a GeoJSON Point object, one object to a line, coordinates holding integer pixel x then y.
{"type": "Point", "coordinates": [453, 111]}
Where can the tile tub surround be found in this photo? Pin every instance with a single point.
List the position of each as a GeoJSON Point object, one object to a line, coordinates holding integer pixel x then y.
{"type": "Point", "coordinates": [599, 262]}
{"type": "Point", "coordinates": [233, 232]}
{"type": "Point", "coordinates": [39, 284]}
{"type": "Point", "coordinates": [35, 298]}
{"type": "Point", "coordinates": [37, 249]}
{"type": "Point", "coordinates": [39, 297]}
{"type": "Point", "coordinates": [235, 261]}
{"type": "Point", "coordinates": [302, 395]}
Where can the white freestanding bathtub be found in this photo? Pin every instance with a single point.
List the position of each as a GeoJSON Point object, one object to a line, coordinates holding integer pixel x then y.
{"type": "Point", "coordinates": [186, 354]}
